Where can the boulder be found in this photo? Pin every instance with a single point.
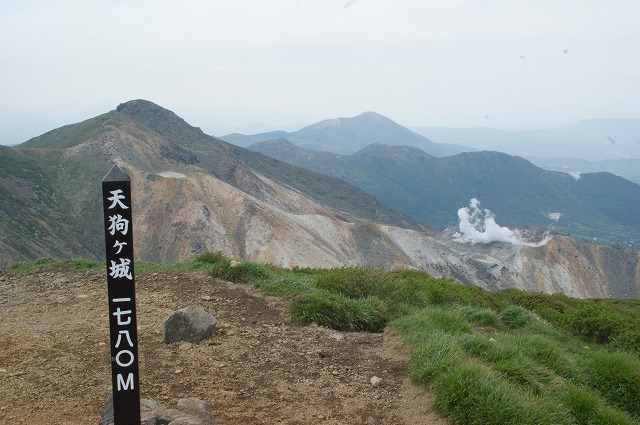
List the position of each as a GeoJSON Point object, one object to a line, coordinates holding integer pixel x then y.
{"type": "Point", "coordinates": [148, 412]}
{"type": "Point", "coordinates": [196, 409]}
{"type": "Point", "coordinates": [190, 411]}
{"type": "Point", "coordinates": [191, 324]}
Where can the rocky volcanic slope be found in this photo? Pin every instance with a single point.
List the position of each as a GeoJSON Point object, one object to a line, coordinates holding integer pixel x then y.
{"type": "Point", "coordinates": [194, 193]}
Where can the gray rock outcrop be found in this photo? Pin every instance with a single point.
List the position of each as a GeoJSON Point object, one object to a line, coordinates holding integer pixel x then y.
{"type": "Point", "coordinates": [191, 324]}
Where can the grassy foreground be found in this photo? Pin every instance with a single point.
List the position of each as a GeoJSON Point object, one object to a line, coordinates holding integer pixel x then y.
{"type": "Point", "coordinates": [505, 357]}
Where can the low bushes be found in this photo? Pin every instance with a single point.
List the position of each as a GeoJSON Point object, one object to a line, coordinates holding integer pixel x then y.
{"type": "Point", "coordinates": [604, 325]}
{"type": "Point", "coordinates": [339, 312]}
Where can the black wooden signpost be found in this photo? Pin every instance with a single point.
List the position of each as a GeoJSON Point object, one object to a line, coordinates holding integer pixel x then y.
{"type": "Point", "coordinates": [116, 200]}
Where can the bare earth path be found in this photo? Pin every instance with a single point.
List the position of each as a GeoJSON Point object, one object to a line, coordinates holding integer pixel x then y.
{"type": "Point", "coordinates": [258, 369]}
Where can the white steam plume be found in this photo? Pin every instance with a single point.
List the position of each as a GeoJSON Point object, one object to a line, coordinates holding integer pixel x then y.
{"type": "Point", "coordinates": [479, 226]}
{"type": "Point", "coordinates": [555, 216]}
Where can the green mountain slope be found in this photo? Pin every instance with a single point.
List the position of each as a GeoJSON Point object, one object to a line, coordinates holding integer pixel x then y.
{"type": "Point", "coordinates": [431, 189]}
{"type": "Point", "coordinates": [50, 197]}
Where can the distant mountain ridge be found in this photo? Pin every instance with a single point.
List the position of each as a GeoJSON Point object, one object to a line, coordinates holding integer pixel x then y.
{"type": "Point", "coordinates": [595, 145]}
{"type": "Point", "coordinates": [591, 140]}
{"type": "Point", "coordinates": [627, 168]}
{"type": "Point", "coordinates": [597, 205]}
{"type": "Point", "coordinates": [194, 193]}
{"type": "Point", "coordinates": [348, 135]}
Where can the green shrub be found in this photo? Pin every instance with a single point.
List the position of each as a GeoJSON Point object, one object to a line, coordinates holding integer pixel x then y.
{"type": "Point", "coordinates": [355, 282]}
{"type": "Point", "coordinates": [44, 260]}
{"type": "Point", "coordinates": [435, 354]}
{"type": "Point", "coordinates": [445, 291]}
{"type": "Point", "coordinates": [480, 316]}
{"type": "Point", "coordinates": [616, 377]}
{"type": "Point", "coordinates": [286, 284]}
{"type": "Point", "coordinates": [423, 322]}
{"type": "Point", "coordinates": [210, 257]}
{"type": "Point", "coordinates": [526, 372]}
{"type": "Point", "coordinates": [489, 348]}
{"type": "Point", "coordinates": [545, 352]}
{"type": "Point", "coordinates": [84, 264]}
{"type": "Point", "coordinates": [589, 409]}
{"type": "Point", "coordinates": [516, 317]}
{"type": "Point", "coordinates": [628, 339]}
{"type": "Point", "coordinates": [473, 394]}
{"type": "Point", "coordinates": [339, 312]}
{"type": "Point", "coordinates": [549, 307]}
{"type": "Point", "coordinates": [603, 324]}
{"type": "Point", "coordinates": [246, 272]}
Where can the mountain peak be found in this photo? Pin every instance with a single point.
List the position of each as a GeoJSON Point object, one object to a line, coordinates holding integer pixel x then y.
{"type": "Point", "coordinates": [158, 119]}
{"type": "Point", "coordinates": [371, 114]}
{"type": "Point", "coordinates": [138, 105]}
{"type": "Point", "coordinates": [148, 112]}
{"type": "Point", "coordinates": [356, 123]}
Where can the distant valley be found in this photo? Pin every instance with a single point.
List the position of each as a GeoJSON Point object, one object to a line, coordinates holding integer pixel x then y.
{"type": "Point", "coordinates": [595, 206]}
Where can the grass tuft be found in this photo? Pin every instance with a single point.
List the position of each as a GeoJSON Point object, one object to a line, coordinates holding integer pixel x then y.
{"type": "Point", "coordinates": [616, 377]}
{"type": "Point", "coordinates": [516, 317]}
{"type": "Point", "coordinates": [340, 312]}
{"type": "Point", "coordinates": [473, 394]}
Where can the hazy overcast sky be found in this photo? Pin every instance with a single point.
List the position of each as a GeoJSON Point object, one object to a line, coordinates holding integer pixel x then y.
{"type": "Point", "coordinates": [225, 65]}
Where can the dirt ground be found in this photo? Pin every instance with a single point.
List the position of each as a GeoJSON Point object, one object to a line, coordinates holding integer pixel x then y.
{"type": "Point", "coordinates": [259, 368]}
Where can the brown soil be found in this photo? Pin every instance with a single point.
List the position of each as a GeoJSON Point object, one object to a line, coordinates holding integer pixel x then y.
{"type": "Point", "coordinates": [259, 368]}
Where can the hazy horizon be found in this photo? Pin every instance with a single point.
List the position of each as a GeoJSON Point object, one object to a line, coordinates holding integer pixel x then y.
{"type": "Point", "coordinates": [251, 66]}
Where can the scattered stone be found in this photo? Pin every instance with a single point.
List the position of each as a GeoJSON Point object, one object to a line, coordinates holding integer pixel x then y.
{"type": "Point", "coordinates": [234, 263]}
{"type": "Point", "coordinates": [189, 411]}
{"type": "Point", "coordinates": [106, 418]}
{"type": "Point", "coordinates": [206, 298]}
{"type": "Point", "coordinates": [337, 336]}
{"type": "Point", "coordinates": [191, 324]}
{"type": "Point", "coordinates": [197, 409]}
{"type": "Point", "coordinates": [492, 340]}
{"type": "Point", "coordinates": [60, 281]}
{"type": "Point", "coordinates": [375, 381]}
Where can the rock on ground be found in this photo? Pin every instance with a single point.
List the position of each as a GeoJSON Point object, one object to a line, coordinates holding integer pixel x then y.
{"type": "Point", "coordinates": [191, 324]}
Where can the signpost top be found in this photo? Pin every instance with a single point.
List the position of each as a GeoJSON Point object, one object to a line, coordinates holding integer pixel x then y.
{"type": "Point", "coordinates": [116, 175]}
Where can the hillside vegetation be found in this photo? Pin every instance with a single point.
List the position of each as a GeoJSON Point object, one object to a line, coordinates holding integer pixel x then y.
{"type": "Point", "coordinates": [430, 189]}
{"type": "Point", "coordinates": [504, 357]}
